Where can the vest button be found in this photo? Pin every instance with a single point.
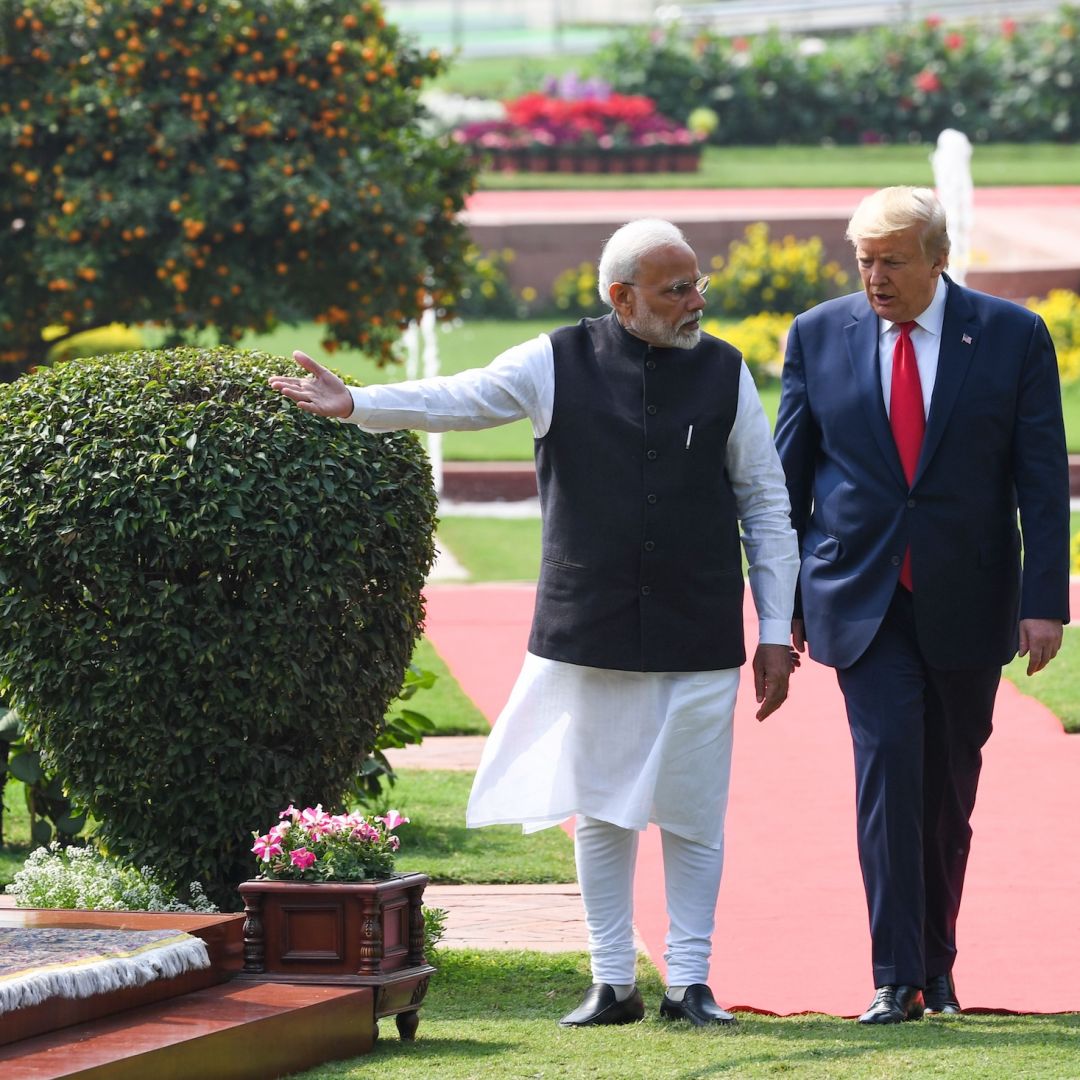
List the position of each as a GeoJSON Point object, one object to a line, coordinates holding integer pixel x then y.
{"type": "Point", "coordinates": [895, 560]}
{"type": "Point", "coordinates": [651, 455]}
{"type": "Point", "coordinates": [911, 504]}
{"type": "Point", "coordinates": [651, 499]}
{"type": "Point", "coordinates": [645, 590]}
{"type": "Point", "coordinates": [651, 410]}
{"type": "Point", "coordinates": [649, 545]}
{"type": "Point", "coordinates": [650, 364]}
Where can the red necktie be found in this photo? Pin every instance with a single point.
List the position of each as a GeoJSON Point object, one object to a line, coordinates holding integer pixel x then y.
{"type": "Point", "coordinates": [906, 416]}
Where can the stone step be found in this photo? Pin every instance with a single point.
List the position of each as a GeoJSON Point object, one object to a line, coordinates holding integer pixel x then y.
{"type": "Point", "coordinates": [234, 1031]}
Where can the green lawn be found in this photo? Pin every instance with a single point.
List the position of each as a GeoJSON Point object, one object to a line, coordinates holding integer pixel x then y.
{"type": "Point", "coordinates": [437, 843]}
{"type": "Point", "coordinates": [494, 549]}
{"type": "Point", "coordinates": [993, 164]}
{"type": "Point", "coordinates": [492, 1014]}
{"type": "Point", "coordinates": [444, 704]}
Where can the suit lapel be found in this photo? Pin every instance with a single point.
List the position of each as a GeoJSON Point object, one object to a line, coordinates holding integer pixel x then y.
{"type": "Point", "coordinates": [959, 340]}
{"type": "Point", "coordinates": [861, 337]}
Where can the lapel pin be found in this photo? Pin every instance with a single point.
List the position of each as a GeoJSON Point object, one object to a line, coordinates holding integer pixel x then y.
{"type": "Point", "coordinates": [967, 339]}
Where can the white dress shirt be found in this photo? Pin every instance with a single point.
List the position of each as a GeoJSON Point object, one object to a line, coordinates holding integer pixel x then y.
{"type": "Point", "coordinates": [926, 339]}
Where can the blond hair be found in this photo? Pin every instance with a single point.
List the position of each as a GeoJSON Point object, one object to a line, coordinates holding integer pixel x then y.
{"type": "Point", "coordinates": [893, 209]}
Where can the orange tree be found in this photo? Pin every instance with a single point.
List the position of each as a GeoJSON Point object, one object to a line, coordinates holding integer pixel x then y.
{"type": "Point", "coordinates": [229, 165]}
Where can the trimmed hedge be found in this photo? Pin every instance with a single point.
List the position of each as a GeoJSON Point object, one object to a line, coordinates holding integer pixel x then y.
{"type": "Point", "coordinates": [207, 596]}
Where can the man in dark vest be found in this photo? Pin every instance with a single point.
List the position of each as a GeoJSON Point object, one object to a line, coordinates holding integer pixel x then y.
{"type": "Point", "coordinates": [652, 449]}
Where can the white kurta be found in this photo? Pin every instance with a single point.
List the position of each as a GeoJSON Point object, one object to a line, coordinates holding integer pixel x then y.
{"type": "Point", "coordinates": [624, 747]}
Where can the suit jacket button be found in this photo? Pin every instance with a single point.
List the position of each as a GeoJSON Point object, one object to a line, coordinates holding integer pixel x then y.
{"type": "Point", "coordinates": [651, 455]}
{"type": "Point", "coordinates": [651, 410]}
{"type": "Point", "coordinates": [650, 499]}
{"type": "Point", "coordinates": [650, 364]}
{"type": "Point", "coordinates": [911, 504]}
{"type": "Point", "coordinates": [896, 560]}
{"type": "Point", "coordinates": [649, 545]}
{"type": "Point", "coordinates": [645, 590]}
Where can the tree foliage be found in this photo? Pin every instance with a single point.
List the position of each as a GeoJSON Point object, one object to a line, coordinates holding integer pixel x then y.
{"type": "Point", "coordinates": [230, 165]}
{"type": "Point", "coordinates": [207, 596]}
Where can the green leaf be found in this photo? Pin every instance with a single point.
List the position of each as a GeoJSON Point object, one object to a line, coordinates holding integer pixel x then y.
{"type": "Point", "coordinates": [26, 766]}
{"type": "Point", "coordinates": [41, 832]}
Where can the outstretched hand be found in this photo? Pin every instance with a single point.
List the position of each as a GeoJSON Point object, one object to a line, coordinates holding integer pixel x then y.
{"type": "Point", "coordinates": [320, 392]}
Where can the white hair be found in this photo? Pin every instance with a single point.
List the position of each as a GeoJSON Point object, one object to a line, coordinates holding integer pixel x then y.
{"type": "Point", "coordinates": [627, 246]}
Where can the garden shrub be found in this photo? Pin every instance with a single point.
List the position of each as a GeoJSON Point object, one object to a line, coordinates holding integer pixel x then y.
{"type": "Point", "coordinates": [105, 339]}
{"type": "Point", "coordinates": [208, 597]}
{"type": "Point", "coordinates": [486, 292]}
{"type": "Point", "coordinates": [574, 291]}
{"type": "Point", "coordinates": [996, 80]}
{"type": "Point", "coordinates": [1060, 310]}
{"type": "Point", "coordinates": [228, 165]}
{"type": "Point", "coordinates": [84, 879]}
{"type": "Point", "coordinates": [760, 338]}
{"type": "Point", "coordinates": [760, 274]}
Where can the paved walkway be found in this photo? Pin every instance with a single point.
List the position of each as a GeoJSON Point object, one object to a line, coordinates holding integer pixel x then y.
{"type": "Point", "coordinates": [791, 931]}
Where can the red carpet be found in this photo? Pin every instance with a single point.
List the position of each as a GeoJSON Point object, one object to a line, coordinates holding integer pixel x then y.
{"type": "Point", "coordinates": [792, 931]}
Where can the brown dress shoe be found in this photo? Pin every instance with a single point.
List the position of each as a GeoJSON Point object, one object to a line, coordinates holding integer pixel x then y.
{"type": "Point", "coordinates": [940, 995]}
{"type": "Point", "coordinates": [599, 1006]}
{"type": "Point", "coordinates": [894, 1005]}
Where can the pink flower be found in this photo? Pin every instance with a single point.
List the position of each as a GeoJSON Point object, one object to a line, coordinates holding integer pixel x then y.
{"type": "Point", "coordinates": [1008, 28]}
{"type": "Point", "coordinates": [316, 821]}
{"type": "Point", "coordinates": [281, 828]}
{"type": "Point", "coordinates": [933, 21]}
{"type": "Point", "coordinates": [740, 44]}
{"type": "Point", "coordinates": [393, 819]}
{"type": "Point", "coordinates": [394, 842]}
{"type": "Point", "coordinates": [291, 812]}
{"type": "Point", "coordinates": [954, 41]}
{"type": "Point", "coordinates": [266, 847]}
{"type": "Point", "coordinates": [365, 831]}
{"type": "Point", "coordinates": [302, 858]}
{"type": "Point", "coordinates": [927, 82]}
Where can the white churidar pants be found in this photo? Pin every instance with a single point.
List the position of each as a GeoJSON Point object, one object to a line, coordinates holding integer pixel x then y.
{"type": "Point", "coordinates": [605, 857]}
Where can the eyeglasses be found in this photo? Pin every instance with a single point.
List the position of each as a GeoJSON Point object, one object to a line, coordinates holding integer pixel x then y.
{"type": "Point", "coordinates": [682, 290]}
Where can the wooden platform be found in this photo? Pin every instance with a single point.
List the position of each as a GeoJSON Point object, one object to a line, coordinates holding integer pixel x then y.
{"type": "Point", "coordinates": [204, 1024]}
{"type": "Point", "coordinates": [234, 1031]}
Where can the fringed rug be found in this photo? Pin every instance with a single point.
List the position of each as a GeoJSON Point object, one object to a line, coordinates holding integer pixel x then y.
{"type": "Point", "coordinates": [38, 964]}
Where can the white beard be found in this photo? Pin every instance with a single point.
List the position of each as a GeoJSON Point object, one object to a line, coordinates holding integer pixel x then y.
{"type": "Point", "coordinates": [656, 331]}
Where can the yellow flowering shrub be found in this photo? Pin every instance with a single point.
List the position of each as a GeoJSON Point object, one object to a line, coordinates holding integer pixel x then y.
{"type": "Point", "coordinates": [575, 290]}
{"type": "Point", "coordinates": [1060, 310]}
{"type": "Point", "coordinates": [486, 291]}
{"type": "Point", "coordinates": [760, 338]}
{"type": "Point", "coordinates": [760, 274]}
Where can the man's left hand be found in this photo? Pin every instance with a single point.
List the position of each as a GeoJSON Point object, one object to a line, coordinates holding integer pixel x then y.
{"type": "Point", "coordinates": [772, 666]}
{"type": "Point", "coordinates": [1040, 640]}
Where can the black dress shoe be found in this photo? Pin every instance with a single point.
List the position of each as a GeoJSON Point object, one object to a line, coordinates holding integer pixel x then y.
{"type": "Point", "coordinates": [698, 1006]}
{"type": "Point", "coordinates": [940, 995]}
{"type": "Point", "coordinates": [600, 1007]}
{"type": "Point", "coordinates": [893, 1005]}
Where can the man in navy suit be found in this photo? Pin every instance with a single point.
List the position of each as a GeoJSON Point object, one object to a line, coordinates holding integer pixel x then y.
{"type": "Point", "coordinates": [917, 420]}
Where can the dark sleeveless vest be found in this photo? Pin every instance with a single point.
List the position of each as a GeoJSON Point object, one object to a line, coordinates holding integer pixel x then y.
{"type": "Point", "coordinates": [641, 565]}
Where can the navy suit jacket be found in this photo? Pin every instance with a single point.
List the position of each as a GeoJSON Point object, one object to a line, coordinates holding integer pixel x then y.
{"type": "Point", "coordinates": [994, 445]}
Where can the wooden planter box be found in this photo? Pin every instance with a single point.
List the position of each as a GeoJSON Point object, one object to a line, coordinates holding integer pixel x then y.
{"type": "Point", "coordinates": [595, 160]}
{"type": "Point", "coordinates": [368, 933]}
